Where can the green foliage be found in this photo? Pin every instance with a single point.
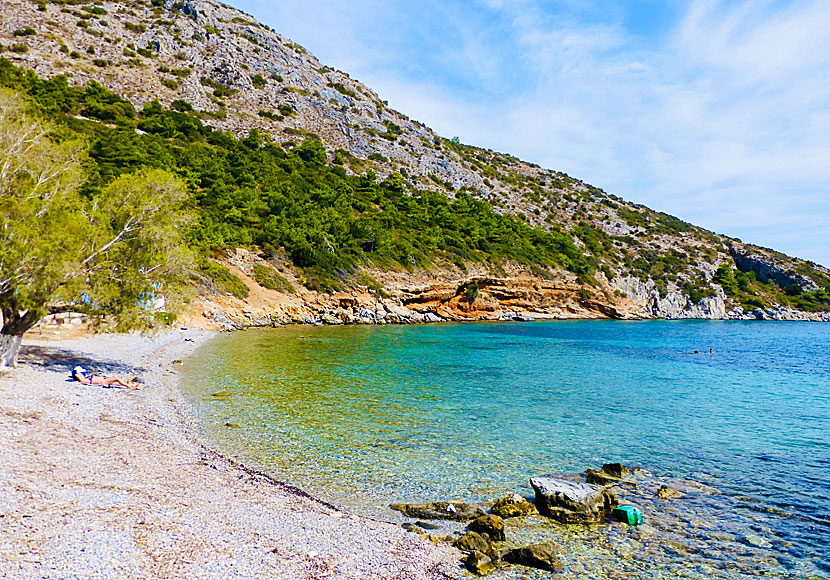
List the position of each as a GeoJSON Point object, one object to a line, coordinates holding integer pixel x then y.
{"type": "Point", "coordinates": [271, 279]}
{"type": "Point", "coordinates": [222, 280]}
{"type": "Point", "coordinates": [752, 293]}
{"type": "Point", "coordinates": [109, 250]}
{"type": "Point", "coordinates": [250, 192]}
{"type": "Point", "coordinates": [258, 81]}
{"type": "Point", "coordinates": [661, 267]}
{"type": "Point", "coordinates": [343, 90]}
{"type": "Point", "coordinates": [270, 115]}
{"type": "Point", "coordinates": [28, 31]}
{"type": "Point", "coordinates": [471, 292]}
{"type": "Point", "coordinates": [181, 105]}
{"type": "Point", "coordinates": [595, 239]}
{"type": "Point", "coordinates": [137, 28]}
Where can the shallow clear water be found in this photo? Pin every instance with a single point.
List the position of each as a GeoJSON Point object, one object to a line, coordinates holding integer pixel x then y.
{"type": "Point", "coordinates": [366, 416]}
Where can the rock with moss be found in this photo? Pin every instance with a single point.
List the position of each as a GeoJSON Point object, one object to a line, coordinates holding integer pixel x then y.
{"type": "Point", "coordinates": [489, 524]}
{"type": "Point", "coordinates": [511, 506]}
{"type": "Point", "coordinates": [473, 541]}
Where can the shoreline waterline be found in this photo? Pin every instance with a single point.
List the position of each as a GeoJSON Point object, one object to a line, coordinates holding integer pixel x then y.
{"type": "Point", "coordinates": [385, 437]}
{"type": "Point", "coordinates": [111, 483]}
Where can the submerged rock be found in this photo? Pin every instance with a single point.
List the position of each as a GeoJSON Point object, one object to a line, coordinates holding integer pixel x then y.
{"type": "Point", "coordinates": [542, 556]}
{"type": "Point", "coordinates": [439, 510]}
{"type": "Point", "coordinates": [511, 506]}
{"type": "Point", "coordinates": [665, 492]}
{"type": "Point", "coordinates": [610, 474]}
{"type": "Point", "coordinates": [572, 503]}
{"type": "Point", "coordinates": [489, 524]}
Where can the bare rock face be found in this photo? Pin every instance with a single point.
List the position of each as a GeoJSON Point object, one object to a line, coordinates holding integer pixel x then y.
{"type": "Point", "coordinates": [572, 503]}
{"type": "Point", "coordinates": [769, 270]}
{"type": "Point", "coordinates": [511, 506]}
{"type": "Point", "coordinates": [542, 556]}
{"type": "Point", "coordinates": [673, 304]}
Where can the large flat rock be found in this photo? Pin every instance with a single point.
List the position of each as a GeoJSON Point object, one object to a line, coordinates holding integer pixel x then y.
{"type": "Point", "coordinates": [571, 502]}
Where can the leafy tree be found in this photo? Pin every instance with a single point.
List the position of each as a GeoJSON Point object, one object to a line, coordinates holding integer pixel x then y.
{"type": "Point", "coordinates": [107, 255]}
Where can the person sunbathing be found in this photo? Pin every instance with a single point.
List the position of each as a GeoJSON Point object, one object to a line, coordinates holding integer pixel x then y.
{"type": "Point", "coordinates": [79, 373]}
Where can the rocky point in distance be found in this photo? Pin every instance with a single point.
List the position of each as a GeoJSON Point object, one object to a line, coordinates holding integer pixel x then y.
{"type": "Point", "coordinates": [240, 75]}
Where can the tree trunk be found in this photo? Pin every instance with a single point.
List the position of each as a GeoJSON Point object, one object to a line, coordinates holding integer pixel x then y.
{"type": "Point", "coordinates": [15, 323]}
{"type": "Point", "coordinates": [9, 347]}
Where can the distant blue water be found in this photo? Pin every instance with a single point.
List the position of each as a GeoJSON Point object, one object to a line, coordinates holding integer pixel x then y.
{"type": "Point", "coordinates": [370, 415]}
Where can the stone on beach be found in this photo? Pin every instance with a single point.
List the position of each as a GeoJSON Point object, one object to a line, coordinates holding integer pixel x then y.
{"type": "Point", "coordinates": [439, 510]}
{"type": "Point", "coordinates": [570, 502]}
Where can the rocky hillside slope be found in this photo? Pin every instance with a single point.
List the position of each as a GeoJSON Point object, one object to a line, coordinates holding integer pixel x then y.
{"type": "Point", "coordinates": [240, 75]}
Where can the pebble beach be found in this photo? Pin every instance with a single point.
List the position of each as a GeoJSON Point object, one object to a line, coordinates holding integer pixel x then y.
{"type": "Point", "coordinates": [112, 483]}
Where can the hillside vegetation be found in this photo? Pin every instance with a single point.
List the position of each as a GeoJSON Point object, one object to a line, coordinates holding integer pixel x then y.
{"type": "Point", "coordinates": [298, 160]}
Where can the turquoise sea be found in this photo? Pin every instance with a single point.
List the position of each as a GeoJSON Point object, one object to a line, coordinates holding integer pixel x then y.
{"type": "Point", "coordinates": [366, 416]}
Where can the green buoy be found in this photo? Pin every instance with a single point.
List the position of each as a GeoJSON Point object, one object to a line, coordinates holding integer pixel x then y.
{"type": "Point", "coordinates": [628, 514]}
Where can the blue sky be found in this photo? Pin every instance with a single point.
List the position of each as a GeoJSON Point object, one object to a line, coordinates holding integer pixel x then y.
{"type": "Point", "coordinates": [715, 111]}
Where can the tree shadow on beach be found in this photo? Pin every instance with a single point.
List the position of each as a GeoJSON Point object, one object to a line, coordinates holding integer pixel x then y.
{"type": "Point", "coordinates": [62, 359]}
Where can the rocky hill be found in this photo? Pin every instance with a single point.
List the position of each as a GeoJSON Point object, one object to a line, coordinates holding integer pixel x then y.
{"type": "Point", "coordinates": [239, 75]}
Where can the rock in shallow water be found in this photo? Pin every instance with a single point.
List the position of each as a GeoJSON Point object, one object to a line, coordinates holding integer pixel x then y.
{"type": "Point", "coordinates": [572, 503]}
{"type": "Point", "coordinates": [511, 506]}
{"type": "Point", "coordinates": [489, 524]}
{"type": "Point", "coordinates": [610, 474]}
{"type": "Point", "coordinates": [542, 556]}
{"type": "Point", "coordinates": [474, 542]}
{"type": "Point", "coordinates": [665, 492]}
{"type": "Point", "coordinates": [479, 563]}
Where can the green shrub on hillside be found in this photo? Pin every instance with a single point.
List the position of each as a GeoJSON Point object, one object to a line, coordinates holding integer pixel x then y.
{"type": "Point", "coordinates": [248, 191]}
{"type": "Point", "coordinates": [223, 280]}
{"type": "Point", "coordinates": [271, 279]}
